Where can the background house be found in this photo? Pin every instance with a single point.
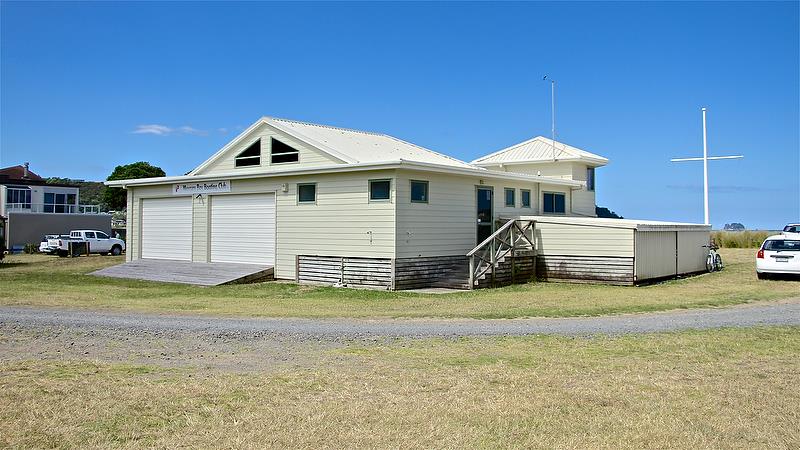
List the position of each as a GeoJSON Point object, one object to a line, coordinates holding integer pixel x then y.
{"type": "Point", "coordinates": [34, 207]}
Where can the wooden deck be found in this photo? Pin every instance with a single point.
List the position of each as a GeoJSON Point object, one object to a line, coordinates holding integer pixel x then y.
{"type": "Point", "coordinates": [185, 272]}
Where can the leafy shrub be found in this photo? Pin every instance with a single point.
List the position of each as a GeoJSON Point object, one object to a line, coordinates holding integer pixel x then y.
{"type": "Point", "coordinates": [740, 239]}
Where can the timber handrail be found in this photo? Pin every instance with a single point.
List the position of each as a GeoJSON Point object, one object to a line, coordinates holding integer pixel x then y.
{"type": "Point", "coordinates": [490, 238]}
{"type": "Point", "coordinates": [485, 257]}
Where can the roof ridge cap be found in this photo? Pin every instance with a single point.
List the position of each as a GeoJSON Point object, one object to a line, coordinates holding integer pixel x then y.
{"type": "Point", "coordinates": [332, 127]}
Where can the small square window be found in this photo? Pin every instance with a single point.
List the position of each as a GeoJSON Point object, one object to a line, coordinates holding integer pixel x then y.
{"type": "Point", "coordinates": [307, 193]}
{"type": "Point", "coordinates": [380, 189]}
{"type": "Point", "coordinates": [525, 196]}
{"type": "Point", "coordinates": [419, 191]}
{"type": "Point", "coordinates": [510, 200]}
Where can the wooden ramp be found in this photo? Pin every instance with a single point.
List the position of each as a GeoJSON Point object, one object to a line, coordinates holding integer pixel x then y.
{"type": "Point", "coordinates": [202, 274]}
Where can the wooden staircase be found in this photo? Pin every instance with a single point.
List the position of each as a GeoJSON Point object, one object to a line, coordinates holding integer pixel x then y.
{"type": "Point", "coordinates": [505, 257]}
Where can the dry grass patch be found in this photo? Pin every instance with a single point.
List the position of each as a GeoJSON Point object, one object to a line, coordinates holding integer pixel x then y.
{"type": "Point", "coordinates": [724, 388]}
{"type": "Point", "coordinates": [58, 282]}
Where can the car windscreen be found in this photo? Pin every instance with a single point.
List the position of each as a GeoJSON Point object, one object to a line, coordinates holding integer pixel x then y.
{"type": "Point", "coordinates": [791, 229]}
{"type": "Point", "coordinates": [782, 245]}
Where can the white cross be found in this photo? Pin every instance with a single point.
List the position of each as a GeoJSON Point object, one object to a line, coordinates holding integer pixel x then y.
{"type": "Point", "coordinates": [705, 159]}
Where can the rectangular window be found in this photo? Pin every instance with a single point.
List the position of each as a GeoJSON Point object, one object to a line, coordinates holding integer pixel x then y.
{"type": "Point", "coordinates": [283, 153]}
{"type": "Point", "coordinates": [380, 189]}
{"type": "Point", "coordinates": [89, 234]}
{"type": "Point", "coordinates": [101, 235]}
{"type": "Point", "coordinates": [18, 198]}
{"type": "Point", "coordinates": [419, 191]}
{"type": "Point", "coordinates": [307, 193]}
{"type": "Point", "coordinates": [525, 196]}
{"type": "Point", "coordinates": [590, 178]}
{"type": "Point", "coordinates": [554, 203]}
{"type": "Point", "coordinates": [251, 156]}
{"type": "Point", "coordinates": [510, 201]}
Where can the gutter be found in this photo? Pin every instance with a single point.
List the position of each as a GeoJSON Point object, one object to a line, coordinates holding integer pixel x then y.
{"type": "Point", "coordinates": [357, 167]}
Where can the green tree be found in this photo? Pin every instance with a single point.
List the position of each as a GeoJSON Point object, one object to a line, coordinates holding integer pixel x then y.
{"type": "Point", "coordinates": [116, 198]}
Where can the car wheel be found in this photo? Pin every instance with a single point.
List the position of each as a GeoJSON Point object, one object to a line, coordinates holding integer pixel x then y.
{"type": "Point", "coordinates": [116, 250]}
{"type": "Point", "coordinates": [62, 253]}
{"type": "Point", "coordinates": [761, 276]}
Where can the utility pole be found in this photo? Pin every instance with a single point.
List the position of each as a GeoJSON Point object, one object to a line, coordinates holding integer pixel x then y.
{"type": "Point", "coordinates": [705, 160]}
{"type": "Point", "coordinates": [552, 113]}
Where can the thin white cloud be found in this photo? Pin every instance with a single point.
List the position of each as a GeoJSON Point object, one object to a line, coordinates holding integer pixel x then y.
{"type": "Point", "coordinates": [159, 130]}
{"type": "Point", "coordinates": [163, 130]}
{"type": "Point", "coordinates": [186, 129]}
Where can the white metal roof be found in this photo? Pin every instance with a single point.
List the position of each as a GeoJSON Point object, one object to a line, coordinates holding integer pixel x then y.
{"type": "Point", "coordinates": [640, 225]}
{"type": "Point", "coordinates": [540, 149]}
{"type": "Point", "coordinates": [362, 146]}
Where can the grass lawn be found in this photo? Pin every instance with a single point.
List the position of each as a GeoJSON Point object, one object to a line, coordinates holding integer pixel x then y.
{"type": "Point", "coordinates": [36, 280]}
{"type": "Point", "coordinates": [729, 388]}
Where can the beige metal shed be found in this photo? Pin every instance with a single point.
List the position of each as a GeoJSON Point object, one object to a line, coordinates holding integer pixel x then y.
{"type": "Point", "coordinates": [620, 251]}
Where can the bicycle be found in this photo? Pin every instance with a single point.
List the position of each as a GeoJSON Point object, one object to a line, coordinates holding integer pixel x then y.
{"type": "Point", "coordinates": [713, 260]}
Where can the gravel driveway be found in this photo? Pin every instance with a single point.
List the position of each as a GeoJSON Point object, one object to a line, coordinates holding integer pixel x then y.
{"type": "Point", "coordinates": [781, 313]}
{"type": "Point", "coordinates": [264, 343]}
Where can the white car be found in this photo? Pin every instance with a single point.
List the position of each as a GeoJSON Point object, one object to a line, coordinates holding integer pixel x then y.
{"type": "Point", "coordinates": [98, 242]}
{"type": "Point", "coordinates": [45, 247]}
{"type": "Point", "coordinates": [792, 230]}
{"type": "Point", "coordinates": [779, 255]}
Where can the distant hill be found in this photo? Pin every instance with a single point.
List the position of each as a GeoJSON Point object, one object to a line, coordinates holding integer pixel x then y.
{"type": "Point", "coordinates": [606, 213]}
{"type": "Point", "coordinates": [91, 191]}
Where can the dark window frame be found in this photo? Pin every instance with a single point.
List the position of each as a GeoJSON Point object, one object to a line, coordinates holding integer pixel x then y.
{"type": "Point", "coordinates": [389, 190]}
{"type": "Point", "coordinates": [553, 202]}
{"type": "Point", "coordinates": [249, 160]}
{"type": "Point", "coordinates": [411, 191]}
{"type": "Point", "coordinates": [306, 202]}
{"type": "Point", "coordinates": [513, 192]}
{"type": "Point", "coordinates": [590, 179]}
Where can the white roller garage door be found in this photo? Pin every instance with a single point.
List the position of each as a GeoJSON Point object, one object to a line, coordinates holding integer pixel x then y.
{"type": "Point", "coordinates": [243, 228]}
{"type": "Point", "coordinates": [167, 228]}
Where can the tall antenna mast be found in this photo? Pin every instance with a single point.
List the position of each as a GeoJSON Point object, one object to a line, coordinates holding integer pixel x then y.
{"type": "Point", "coordinates": [705, 160]}
{"type": "Point", "coordinates": [552, 113]}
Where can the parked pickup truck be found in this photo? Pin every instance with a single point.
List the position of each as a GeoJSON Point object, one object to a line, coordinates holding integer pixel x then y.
{"type": "Point", "coordinates": [98, 242]}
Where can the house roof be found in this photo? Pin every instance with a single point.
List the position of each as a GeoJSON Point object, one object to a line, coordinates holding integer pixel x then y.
{"type": "Point", "coordinates": [348, 146]}
{"type": "Point", "coordinates": [539, 150]}
{"type": "Point", "coordinates": [17, 173]}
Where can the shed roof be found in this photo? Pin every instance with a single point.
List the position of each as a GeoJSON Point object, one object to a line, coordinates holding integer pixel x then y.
{"type": "Point", "coordinates": [639, 225]}
{"type": "Point", "coordinates": [540, 150]}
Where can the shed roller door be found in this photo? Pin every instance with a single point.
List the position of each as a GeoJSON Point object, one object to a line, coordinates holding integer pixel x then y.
{"type": "Point", "coordinates": [243, 228]}
{"type": "Point", "coordinates": [167, 228]}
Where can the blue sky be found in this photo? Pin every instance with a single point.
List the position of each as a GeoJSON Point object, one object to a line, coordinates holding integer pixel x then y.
{"type": "Point", "coordinates": [77, 80]}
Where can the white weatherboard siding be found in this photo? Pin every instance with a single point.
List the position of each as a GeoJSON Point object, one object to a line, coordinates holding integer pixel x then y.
{"type": "Point", "coordinates": [559, 239]}
{"type": "Point", "coordinates": [167, 228]}
{"type": "Point", "coordinates": [309, 156]}
{"type": "Point", "coordinates": [243, 228]}
{"type": "Point", "coordinates": [446, 225]}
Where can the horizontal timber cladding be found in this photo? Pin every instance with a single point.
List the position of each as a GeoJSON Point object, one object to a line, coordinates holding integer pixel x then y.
{"type": "Point", "coordinates": [424, 272]}
{"type": "Point", "coordinates": [516, 270]}
{"type": "Point", "coordinates": [585, 269]}
{"type": "Point", "coordinates": [372, 273]}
